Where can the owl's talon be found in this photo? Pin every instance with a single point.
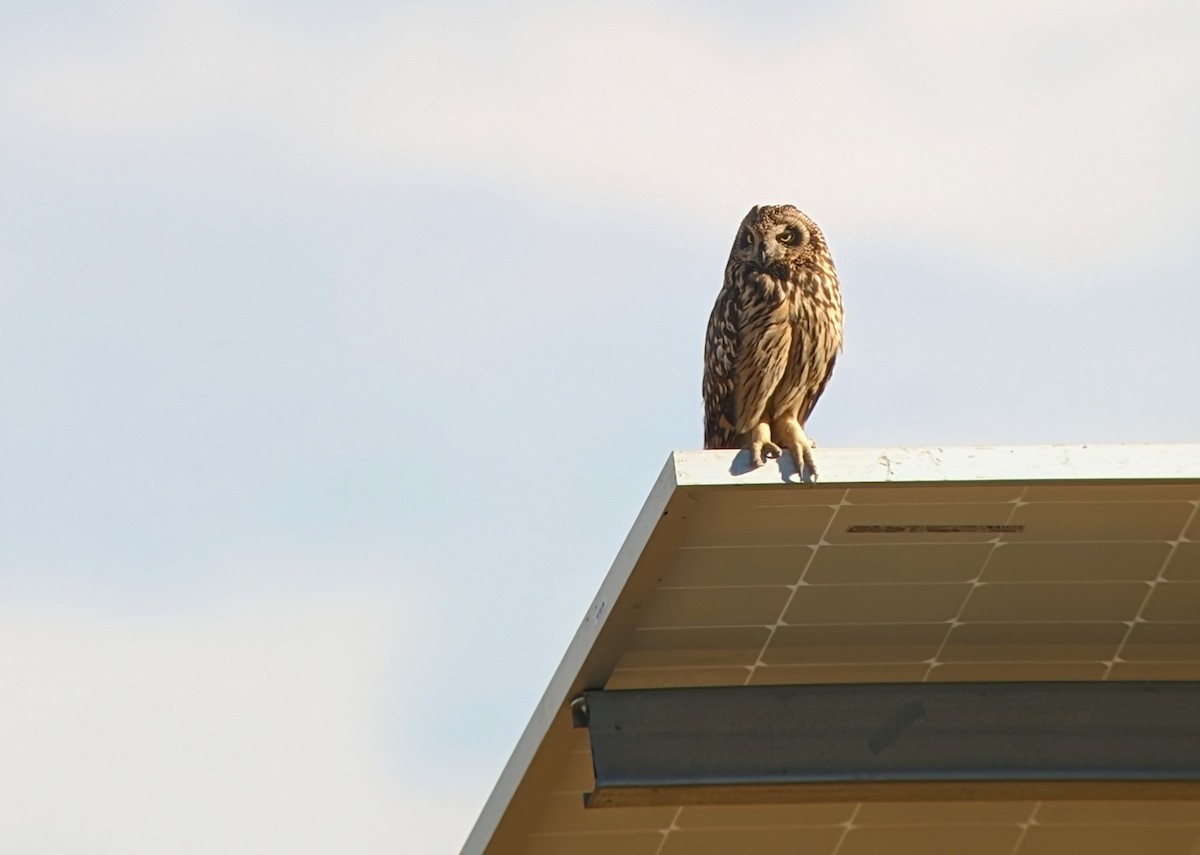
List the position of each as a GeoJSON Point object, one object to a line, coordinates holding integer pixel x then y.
{"type": "Point", "coordinates": [806, 468]}
{"type": "Point", "coordinates": [760, 452]}
{"type": "Point", "coordinates": [809, 466]}
{"type": "Point", "coordinates": [792, 435]}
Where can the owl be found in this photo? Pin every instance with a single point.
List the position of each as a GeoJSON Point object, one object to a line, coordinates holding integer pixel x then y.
{"type": "Point", "coordinates": [773, 337]}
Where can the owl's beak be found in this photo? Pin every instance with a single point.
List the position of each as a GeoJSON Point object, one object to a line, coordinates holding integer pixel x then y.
{"type": "Point", "coordinates": [762, 253]}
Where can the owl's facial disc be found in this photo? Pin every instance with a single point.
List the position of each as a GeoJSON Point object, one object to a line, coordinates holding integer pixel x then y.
{"type": "Point", "coordinates": [776, 247]}
{"type": "Point", "coordinates": [774, 239]}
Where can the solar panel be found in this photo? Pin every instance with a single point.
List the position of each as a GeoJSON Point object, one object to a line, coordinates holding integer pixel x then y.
{"type": "Point", "coordinates": [1047, 563]}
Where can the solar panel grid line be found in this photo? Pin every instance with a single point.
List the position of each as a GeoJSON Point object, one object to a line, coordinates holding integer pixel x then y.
{"type": "Point", "coordinates": [894, 814]}
{"type": "Point", "coordinates": [870, 664]}
{"type": "Point", "coordinates": [1039, 834]}
{"type": "Point", "coordinates": [699, 547]}
{"type": "Point", "coordinates": [779, 620]}
{"type": "Point", "coordinates": [981, 583]}
{"type": "Point", "coordinates": [628, 678]}
{"type": "Point", "coordinates": [1167, 813]}
{"type": "Point", "coordinates": [1102, 840]}
{"type": "Point", "coordinates": [847, 828]}
{"type": "Point", "coordinates": [592, 832]}
{"type": "Point", "coordinates": [734, 826]}
{"type": "Point", "coordinates": [1029, 822]}
{"type": "Point", "coordinates": [1042, 839]}
{"type": "Point", "coordinates": [1159, 578]}
{"type": "Point", "coordinates": [666, 832]}
{"type": "Point", "coordinates": [891, 814]}
{"type": "Point", "coordinates": [947, 623]}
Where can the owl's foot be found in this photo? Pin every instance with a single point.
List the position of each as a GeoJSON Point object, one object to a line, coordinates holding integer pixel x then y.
{"type": "Point", "coordinates": [761, 446]}
{"type": "Point", "coordinates": [797, 442]}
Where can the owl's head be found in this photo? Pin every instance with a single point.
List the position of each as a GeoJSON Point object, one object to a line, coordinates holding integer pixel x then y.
{"type": "Point", "coordinates": [777, 239]}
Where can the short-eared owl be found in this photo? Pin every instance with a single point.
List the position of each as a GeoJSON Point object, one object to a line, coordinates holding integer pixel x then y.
{"type": "Point", "coordinates": [773, 337]}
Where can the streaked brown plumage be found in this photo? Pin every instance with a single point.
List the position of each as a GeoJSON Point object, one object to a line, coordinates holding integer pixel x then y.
{"type": "Point", "coordinates": [773, 337]}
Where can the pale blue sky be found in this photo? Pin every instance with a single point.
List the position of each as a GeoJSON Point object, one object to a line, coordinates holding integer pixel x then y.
{"type": "Point", "coordinates": [340, 344]}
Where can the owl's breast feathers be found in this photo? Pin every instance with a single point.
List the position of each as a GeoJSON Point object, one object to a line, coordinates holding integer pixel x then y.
{"type": "Point", "coordinates": [766, 289]}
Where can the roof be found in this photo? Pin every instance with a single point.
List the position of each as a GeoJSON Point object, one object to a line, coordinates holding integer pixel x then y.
{"type": "Point", "coordinates": [901, 565]}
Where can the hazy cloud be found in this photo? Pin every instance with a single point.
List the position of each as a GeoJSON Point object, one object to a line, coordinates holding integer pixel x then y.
{"type": "Point", "coordinates": [244, 728]}
{"type": "Point", "coordinates": [1028, 135]}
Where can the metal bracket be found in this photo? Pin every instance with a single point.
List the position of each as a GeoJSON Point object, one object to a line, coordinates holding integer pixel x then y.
{"type": "Point", "coordinates": [579, 712]}
{"type": "Point", "coordinates": [1037, 740]}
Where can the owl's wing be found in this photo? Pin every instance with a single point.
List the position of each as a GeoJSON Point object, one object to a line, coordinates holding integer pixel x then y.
{"type": "Point", "coordinates": [720, 366]}
{"type": "Point", "coordinates": [820, 388]}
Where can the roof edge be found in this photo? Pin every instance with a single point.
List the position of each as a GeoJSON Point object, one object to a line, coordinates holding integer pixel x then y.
{"type": "Point", "coordinates": [572, 675]}
{"type": "Point", "coordinates": [916, 464]}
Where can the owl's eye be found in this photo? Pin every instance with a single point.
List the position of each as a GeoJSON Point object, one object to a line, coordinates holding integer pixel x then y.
{"type": "Point", "coordinates": [787, 237]}
{"type": "Point", "coordinates": [749, 239]}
